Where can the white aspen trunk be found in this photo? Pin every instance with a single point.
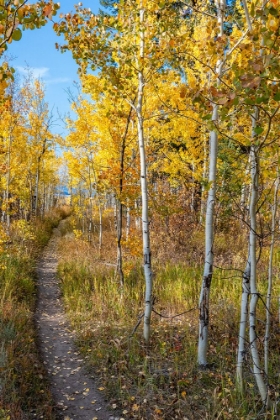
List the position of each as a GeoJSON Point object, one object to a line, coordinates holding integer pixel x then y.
{"type": "Point", "coordinates": [209, 220]}
{"type": "Point", "coordinates": [250, 289]}
{"type": "Point", "coordinates": [31, 196]}
{"type": "Point", "coordinates": [127, 222]}
{"type": "Point", "coordinates": [8, 216]}
{"type": "Point", "coordinates": [121, 206]}
{"type": "Point", "coordinates": [44, 200]}
{"type": "Point", "coordinates": [90, 221]}
{"type": "Point", "coordinates": [6, 213]}
{"type": "Point", "coordinates": [100, 226]}
{"type": "Point", "coordinates": [257, 371]}
{"type": "Point", "coordinates": [208, 265]}
{"type": "Point", "coordinates": [99, 210]}
{"type": "Point", "coordinates": [90, 224]}
{"type": "Point", "coordinates": [204, 176]}
{"type": "Point", "coordinates": [137, 218]}
{"type": "Point", "coordinates": [37, 188]}
{"type": "Point", "coordinates": [245, 195]}
{"type": "Point", "coordinates": [270, 274]}
{"type": "Point", "coordinates": [144, 188]}
{"type": "Point", "coordinates": [115, 212]}
{"type": "Point", "coordinates": [243, 324]}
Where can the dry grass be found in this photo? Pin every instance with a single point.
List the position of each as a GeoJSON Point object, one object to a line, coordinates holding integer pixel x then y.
{"type": "Point", "coordinates": [162, 381]}
{"type": "Point", "coordinates": [24, 389]}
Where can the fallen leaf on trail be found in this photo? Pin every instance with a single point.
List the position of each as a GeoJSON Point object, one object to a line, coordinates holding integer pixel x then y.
{"type": "Point", "coordinates": [158, 411]}
{"type": "Point", "coordinates": [101, 388]}
{"type": "Point", "coordinates": [135, 407]}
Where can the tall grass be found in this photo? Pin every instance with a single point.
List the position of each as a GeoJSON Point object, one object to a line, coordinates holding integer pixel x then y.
{"type": "Point", "coordinates": [162, 381]}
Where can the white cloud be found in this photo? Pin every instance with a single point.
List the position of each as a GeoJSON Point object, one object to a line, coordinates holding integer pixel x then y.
{"type": "Point", "coordinates": [37, 72]}
{"type": "Point", "coordinates": [43, 73]}
{"type": "Point", "coordinates": [58, 80]}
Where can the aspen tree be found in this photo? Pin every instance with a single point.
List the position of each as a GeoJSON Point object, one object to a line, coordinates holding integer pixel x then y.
{"type": "Point", "coordinates": [258, 141]}
{"type": "Point", "coordinates": [38, 125]}
{"type": "Point", "coordinates": [209, 219]}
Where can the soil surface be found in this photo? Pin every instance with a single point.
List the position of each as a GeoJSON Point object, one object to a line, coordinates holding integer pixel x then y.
{"type": "Point", "coordinates": [74, 390]}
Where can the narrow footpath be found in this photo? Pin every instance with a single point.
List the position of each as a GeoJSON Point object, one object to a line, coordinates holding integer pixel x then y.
{"type": "Point", "coordinates": [74, 390]}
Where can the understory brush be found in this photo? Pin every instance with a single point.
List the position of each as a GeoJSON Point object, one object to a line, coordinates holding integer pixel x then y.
{"type": "Point", "coordinates": [161, 380]}
{"type": "Point", "coordinates": [24, 391]}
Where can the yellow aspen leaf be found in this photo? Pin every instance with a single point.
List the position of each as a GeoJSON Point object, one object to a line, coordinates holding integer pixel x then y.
{"type": "Point", "coordinates": [272, 24]}
{"type": "Point", "coordinates": [135, 407]}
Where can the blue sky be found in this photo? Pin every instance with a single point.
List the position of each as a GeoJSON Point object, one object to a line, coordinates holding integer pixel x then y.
{"type": "Point", "coordinates": [36, 49]}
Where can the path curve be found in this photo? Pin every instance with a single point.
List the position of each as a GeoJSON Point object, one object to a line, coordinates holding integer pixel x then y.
{"type": "Point", "coordinates": [74, 391]}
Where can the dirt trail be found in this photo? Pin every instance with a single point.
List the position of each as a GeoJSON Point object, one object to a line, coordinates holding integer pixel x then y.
{"type": "Point", "coordinates": [74, 391]}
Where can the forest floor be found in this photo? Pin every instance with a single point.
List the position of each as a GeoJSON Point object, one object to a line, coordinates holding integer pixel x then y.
{"type": "Point", "coordinates": [74, 390]}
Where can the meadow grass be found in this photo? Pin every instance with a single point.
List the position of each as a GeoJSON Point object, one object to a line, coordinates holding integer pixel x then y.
{"type": "Point", "coordinates": [161, 380]}
{"type": "Point", "coordinates": [24, 390]}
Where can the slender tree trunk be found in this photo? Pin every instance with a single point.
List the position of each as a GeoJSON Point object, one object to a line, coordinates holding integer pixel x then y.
{"type": "Point", "coordinates": [90, 224]}
{"type": "Point", "coordinates": [243, 324]}
{"type": "Point", "coordinates": [100, 225]}
{"type": "Point", "coordinates": [39, 158]}
{"type": "Point", "coordinates": [8, 216]}
{"type": "Point", "coordinates": [31, 197]}
{"type": "Point", "coordinates": [127, 222]}
{"type": "Point", "coordinates": [270, 274]}
{"type": "Point", "coordinates": [37, 188]}
{"type": "Point", "coordinates": [99, 211]}
{"type": "Point", "coordinates": [144, 189]}
{"type": "Point", "coordinates": [137, 218]}
{"type": "Point", "coordinates": [209, 220]}
{"type": "Point", "coordinates": [254, 296]}
{"type": "Point", "coordinates": [208, 265]}
{"type": "Point", "coordinates": [245, 194]}
{"type": "Point", "coordinates": [119, 226]}
{"type": "Point", "coordinates": [120, 205]}
{"type": "Point", "coordinates": [90, 220]}
{"type": "Point", "coordinates": [204, 175]}
{"type": "Point", "coordinates": [6, 194]}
